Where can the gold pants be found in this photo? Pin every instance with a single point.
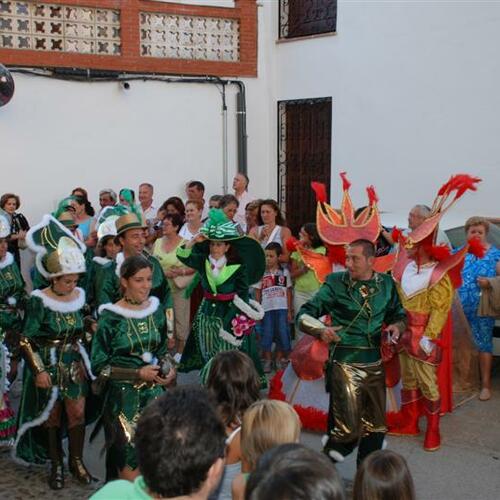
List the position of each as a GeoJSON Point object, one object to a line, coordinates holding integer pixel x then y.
{"type": "Point", "coordinates": [417, 374]}
{"type": "Point", "coordinates": [357, 401]}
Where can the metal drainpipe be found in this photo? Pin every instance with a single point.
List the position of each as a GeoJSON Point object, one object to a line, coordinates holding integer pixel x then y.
{"type": "Point", "coordinates": [224, 141]}
{"type": "Point", "coordinates": [241, 115]}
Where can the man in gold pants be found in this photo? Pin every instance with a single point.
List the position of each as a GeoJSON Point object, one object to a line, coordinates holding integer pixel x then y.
{"type": "Point", "coordinates": [362, 303]}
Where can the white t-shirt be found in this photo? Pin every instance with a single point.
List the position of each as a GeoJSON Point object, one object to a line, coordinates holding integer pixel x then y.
{"type": "Point", "coordinates": [185, 233]}
{"type": "Point", "coordinates": [243, 200]}
{"type": "Point", "coordinates": [274, 286]}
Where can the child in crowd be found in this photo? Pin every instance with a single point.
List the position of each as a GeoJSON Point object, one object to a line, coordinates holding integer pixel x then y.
{"type": "Point", "coordinates": [234, 384]}
{"type": "Point", "coordinates": [294, 471]}
{"type": "Point", "coordinates": [383, 475]}
{"type": "Point", "coordinates": [305, 283]}
{"type": "Point", "coordinates": [274, 292]}
{"type": "Point", "coordinates": [266, 424]}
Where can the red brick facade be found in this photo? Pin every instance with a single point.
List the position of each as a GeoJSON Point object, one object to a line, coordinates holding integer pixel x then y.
{"type": "Point", "coordinates": [130, 60]}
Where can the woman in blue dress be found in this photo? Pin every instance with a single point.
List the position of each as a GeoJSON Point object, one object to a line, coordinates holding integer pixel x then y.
{"type": "Point", "coordinates": [475, 276]}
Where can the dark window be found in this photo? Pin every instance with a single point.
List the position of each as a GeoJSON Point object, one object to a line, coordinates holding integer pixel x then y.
{"type": "Point", "coordinates": [304, 155]}
{"type": "Point", "coordinates": [307, 17]}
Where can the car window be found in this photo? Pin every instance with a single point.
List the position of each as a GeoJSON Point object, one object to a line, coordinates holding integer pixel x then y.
{"type": "Point", "coordinates": [457, 236]}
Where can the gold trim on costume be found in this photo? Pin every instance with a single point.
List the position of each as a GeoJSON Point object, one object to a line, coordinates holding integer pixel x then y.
{"type": "Point", "coordinates": [310, 325]}
{"type": "Point", "coordinates": [32, 358]}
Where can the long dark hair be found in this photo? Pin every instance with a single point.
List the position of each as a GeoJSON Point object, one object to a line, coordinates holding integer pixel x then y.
{"type": "Point", "coordinates": [312, 231]}
{"type": "Point", "coordinates": [234, 384]}
{"type": "Point", "coordinates": [83, 199]}
{"type": "Point", "coordinates": [177, 203]}
{"type": "Point", "coordinates": [383, 474]}
{"type": "Point", "coordinates": [280, 220]}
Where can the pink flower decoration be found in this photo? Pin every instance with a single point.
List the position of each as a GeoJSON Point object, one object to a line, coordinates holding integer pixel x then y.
{"type": "Point", "coordinates": [241, 325]}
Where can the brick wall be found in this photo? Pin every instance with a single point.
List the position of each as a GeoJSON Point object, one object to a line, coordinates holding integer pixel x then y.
{"type": "Point", "coordinates": [217, 41]}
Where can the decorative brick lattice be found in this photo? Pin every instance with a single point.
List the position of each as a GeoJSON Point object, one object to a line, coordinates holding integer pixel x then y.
{"type": "Point", "coordinates": [189, 37]}
{"type": "Point", "coordinates": [56, 27]}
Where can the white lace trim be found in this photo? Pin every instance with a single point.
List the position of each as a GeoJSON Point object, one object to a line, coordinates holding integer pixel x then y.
{"type": "Point", "coordinates": [59, 305]}
{"type": "Point", "coordinates": [119, 261]}
{"type": "Point", "coordinates": [54, 394]}
{"type": "Point", "coordinates": [102, 261]}
{"type": "Point", "coordinates": [217, 264]}
{"type": "Point", "coordinates": [231, 339]}
{"type": "Point", "coordinates": [253, 309]}
{"type": "Point", "coordinates": [132, 313]}
{"type": "Point", "coordinates": [7, 261]}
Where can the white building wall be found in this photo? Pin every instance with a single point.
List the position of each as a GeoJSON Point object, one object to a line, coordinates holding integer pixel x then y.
{"type": "Point", "coordinates": [57, 135]}
{"type": "Point", "coordinates": [415, 96]}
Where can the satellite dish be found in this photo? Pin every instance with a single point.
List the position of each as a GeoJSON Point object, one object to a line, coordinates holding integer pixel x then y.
{"type": "Point", "coordinates": [6, 86]}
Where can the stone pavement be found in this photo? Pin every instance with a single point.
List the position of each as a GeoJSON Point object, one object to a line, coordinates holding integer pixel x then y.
{"type": "Point", "coordinates": [467, 467]}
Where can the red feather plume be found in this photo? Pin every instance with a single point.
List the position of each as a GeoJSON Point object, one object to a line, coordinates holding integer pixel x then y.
{"type": "Point", "coordinates": [438, 252]}
{"type": "Point", "coordinates": [372, 195]}
{"type": "Point", "coordinates": [476, 248]}
{"type": "Point", "coordinates": [291, 244]}
{"type": "Point", "coordinates": [336, 254]}
{"type": "Point", "coordinates": [345, 182]}
{"type": "Point", "coordinates": [320, 189]}
{"type": "Point", "coordinates": [459, 183]}
{"type": "Point", "coordinates": [397, 235]}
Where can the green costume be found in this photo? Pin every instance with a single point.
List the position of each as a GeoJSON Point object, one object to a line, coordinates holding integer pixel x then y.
{"type": "Point", "coordinates": [354, 373]}
{"type": "Point", "coordinates": [125, 341]}
{"type": "Point", "coordinates": [12, 300]}
{"type": "Point", "coordinates": [107, 282]}
{"type": "Point", "coordinates": [226, 299]}
{"type": "Point", "coordinates": [53, 350]}
{"type": "Point", "coordinates": [50, 342]}
{"type": "Point", "coordinates": [94, 270]}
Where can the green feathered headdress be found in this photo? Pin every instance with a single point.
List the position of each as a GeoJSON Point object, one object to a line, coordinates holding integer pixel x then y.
{"type": "Point", "coordinates": [218, 227]}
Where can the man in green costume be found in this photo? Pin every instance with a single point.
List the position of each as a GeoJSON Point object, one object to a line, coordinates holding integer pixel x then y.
{"type": "Point", "coordinates": [130, 232]}
{"type": "Point", "coordinates": [362, 303]}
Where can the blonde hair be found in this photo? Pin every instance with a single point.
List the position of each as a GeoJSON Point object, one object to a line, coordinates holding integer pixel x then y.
{"type": "Point", "coordinates": [477, 221]}
{"type": "Point", "coordinates": [266, 424]}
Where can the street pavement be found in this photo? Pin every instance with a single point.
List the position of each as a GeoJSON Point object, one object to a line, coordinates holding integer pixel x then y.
{"type": "Point", "coordinates": [467, 467]}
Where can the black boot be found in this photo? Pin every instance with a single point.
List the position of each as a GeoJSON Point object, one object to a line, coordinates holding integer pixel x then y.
{"type": "Point", "coordinates": [368, 444]}
{"type": "Point", "coordinates": [56, 475]}
{"type": "Point", "coordinates": [76, 439]}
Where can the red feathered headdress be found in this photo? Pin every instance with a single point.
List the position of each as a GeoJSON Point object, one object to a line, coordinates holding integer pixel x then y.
{"type": "Point", "coordinates": [341, 227]}
{"type": "Point", "coordinates": [447, 195]}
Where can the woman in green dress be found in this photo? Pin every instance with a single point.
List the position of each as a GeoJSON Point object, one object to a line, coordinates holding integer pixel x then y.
{"type": "Point", "coordinates": [12, 298]}
{"type": "Point", "coordinates": [55, 380]}
{"type": "Point", "coordinates": [227, 263]}
{"type": "Point", "coordinates": [130, 358]}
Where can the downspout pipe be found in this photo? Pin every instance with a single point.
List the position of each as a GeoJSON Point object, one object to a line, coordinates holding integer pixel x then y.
{"type": "Point", "coordinates": [241, 123]}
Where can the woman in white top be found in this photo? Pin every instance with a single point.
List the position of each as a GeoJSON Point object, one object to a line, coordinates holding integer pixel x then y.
{"type": "Point", "coordinates": [194, 210]}
{"type": "Point", "coordinates": [272, 227]}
